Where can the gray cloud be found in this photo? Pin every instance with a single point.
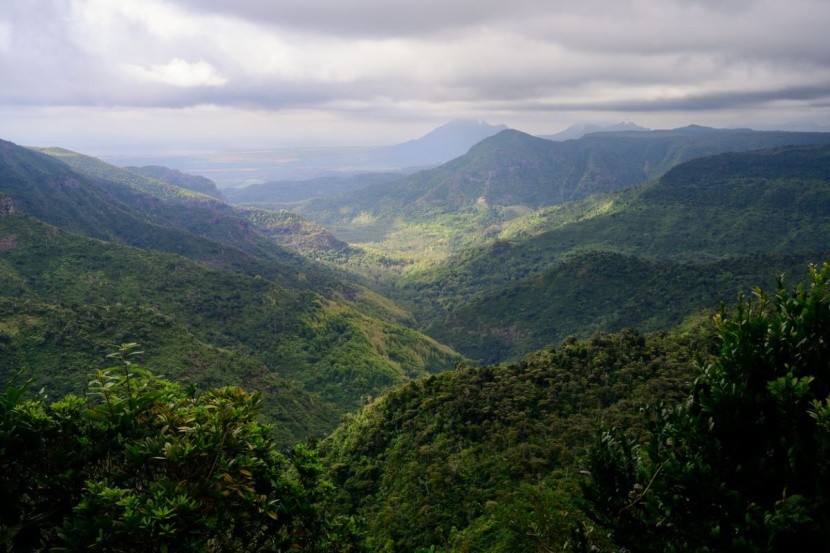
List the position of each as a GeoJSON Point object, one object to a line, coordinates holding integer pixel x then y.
{"type": "Point", "coordinates": [813, 95]}
{"type": "Point", "coordinates": [432, 59]}
{"type": "Point", "coordinates": [370, 18]}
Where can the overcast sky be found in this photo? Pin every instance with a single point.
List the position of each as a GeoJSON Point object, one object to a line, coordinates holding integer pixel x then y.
{"type": "Point", "coordinates": [106, 76]}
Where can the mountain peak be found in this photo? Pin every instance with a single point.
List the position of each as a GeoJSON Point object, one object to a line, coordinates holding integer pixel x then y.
{"type": "Point", "coordinates": [457, 125]}
{"type": "Point", "coordinates": [440, 145]}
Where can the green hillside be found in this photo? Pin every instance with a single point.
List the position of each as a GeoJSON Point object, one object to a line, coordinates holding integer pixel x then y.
{"type": "Point", "coordinates": [292, 231]}
{"type": "Point", "coordinates": [327, 346]}
{"type": "Point", "coordinates": [154, 186]}
{"type": "Point", "coordinates": [297, 328]}
{"type": "Point", "coordinates": [105, 202]}
{"type": "Point", "coordinates": [62, 345]}
{"type": "Point", "coordinates": [697, 234]}
{"type": "Point", "coordinates": [256, 242]}
{"type": "Point", "coordinates": [486, 459]}
{"type": "Point", "coordinates": [597, 291]}
{"type": "Point", "coordinates": [620, 442]}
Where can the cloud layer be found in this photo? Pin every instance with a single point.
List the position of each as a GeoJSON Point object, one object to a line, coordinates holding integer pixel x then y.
{"type": "Point", "coordinates": [380, 60]}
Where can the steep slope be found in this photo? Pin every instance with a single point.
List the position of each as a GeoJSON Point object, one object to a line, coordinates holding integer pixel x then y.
{"type": "Point", "coordinates": [96, 169]}
{"type": "Point", "coordinates": [150, 213]}
{"type": "Point", "coordinates": [682, 242]}
{"type": "Point", "coordinates": [274, 245]}
{"type": "Point", "coordinates": [601, 291]}
{"type": "Point", "coordinates": [290, 230]}
{"type": "Point", "coordinates": [63, 345]}
{"type": "Point", "coordinates": [102, 201]}
{"type": "Point", "coordinates": [332, 342]}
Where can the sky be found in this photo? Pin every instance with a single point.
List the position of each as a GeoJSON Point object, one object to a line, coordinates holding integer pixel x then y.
{"type": "Point", "coordinates": [120, 76]}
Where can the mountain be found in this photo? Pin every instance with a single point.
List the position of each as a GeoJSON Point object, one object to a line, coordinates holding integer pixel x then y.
{"type": "Point", "coordinates": [89, 197]}
{"type": "Point", "coordinates": [644, 257]}
{"type": "Point", "coordinates": [196, 183]}
{"type": "Point", "coordinates": [438, 146]}
{"type": "Point", "coordinates": [89, 263]}
{"type": "Point", "coordinates": [515, 170]}
{"type": "Point", "coordinates": [94, 168]}
{"type": "Point", "coordinates": [579, 130]}
{"type": "Point", "coordinates": [159, 203]}
{"type": "Point", "coordinates": [292, 231]}
{"type": "Point", "coordinates": [596, 291]}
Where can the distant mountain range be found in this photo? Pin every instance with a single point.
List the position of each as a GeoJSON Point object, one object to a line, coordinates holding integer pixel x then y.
{"type": "Point", "coordinates": [513, 168]}
{"type": "Point", "coordinates": [234, 169]}
{"type": "Point", "coordinates": [515, 244]}
{"type": "Point", "coordinates": [493, 249]}
{"type": "Point", "coordinates": [579, 130]}
{"type": "Point", "coordinates": [533, 256]}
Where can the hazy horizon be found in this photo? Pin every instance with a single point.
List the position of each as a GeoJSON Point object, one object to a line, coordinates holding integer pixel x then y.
{"type": "Point", "coordinates": [156, 76]}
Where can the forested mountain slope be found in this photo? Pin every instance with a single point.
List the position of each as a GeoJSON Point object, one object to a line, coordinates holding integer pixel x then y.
{"type": "Point", "coordinates": [620, 442]}
{"type": "Point", "coordinates": [485, 459]}
{"type": "Point", "coordinates": [327, 345]}
{"type": "Point", "coordinates": [682, 242]}
{"type": "Point", "coordinates": [150, 213]}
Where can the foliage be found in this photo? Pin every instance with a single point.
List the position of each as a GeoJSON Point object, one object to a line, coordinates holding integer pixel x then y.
{"type": "Point", "coordinates": [297, 334]}
{"type": "Point", "coordinates": [293, 231]}
{"type": "Point", "coordinates": [476, 251]}
{"type": "Point", "coordinates": [58, 344]}
{"type": "Point", "coordinates": [485, 459]}
{"type": "Point", "coordinates": [742, 464]}
{"type": "Point", "coordinates": [601, 291]}
{"type": "Point", "coordinates": [140, 464]}
{"type": "Point", "coordinates": [151, 183]}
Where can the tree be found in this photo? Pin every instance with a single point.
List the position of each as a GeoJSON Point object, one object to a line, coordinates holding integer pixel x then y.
{"type": "Point", "coordinates": [140, 464]}
{"type": "Point", "coordinates": [742, 464]}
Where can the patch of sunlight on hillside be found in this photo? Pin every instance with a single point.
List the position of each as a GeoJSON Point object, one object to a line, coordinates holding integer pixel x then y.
{"type": "Point", "coordinates": [364, 219]}
{"type": "Point", "coordinates": [551, 218]}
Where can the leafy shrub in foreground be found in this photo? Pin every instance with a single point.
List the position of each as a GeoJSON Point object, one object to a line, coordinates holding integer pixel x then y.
{"type": "Point", "coordinates": [742, 465]}
{"type": "Point", "coordinates": [139, 464]}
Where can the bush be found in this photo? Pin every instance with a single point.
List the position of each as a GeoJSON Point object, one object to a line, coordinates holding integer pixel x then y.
{"type": "Point", "coordinates": [742, 465]}
{"type": "Point", "coordinates": [140, 464]}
